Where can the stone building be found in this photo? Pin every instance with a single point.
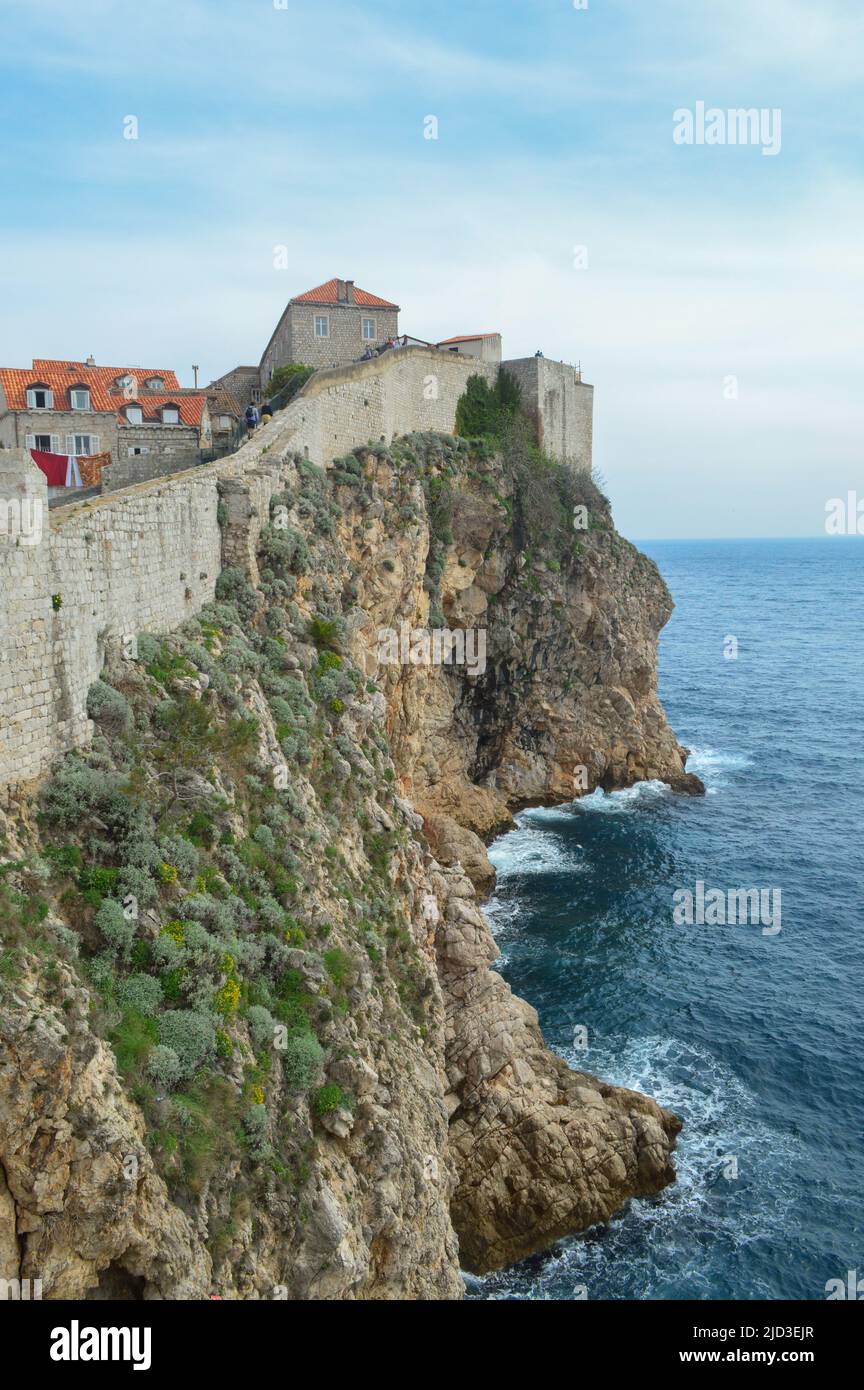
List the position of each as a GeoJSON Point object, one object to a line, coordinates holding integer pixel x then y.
{"type": "Point", "coordinates": [330, 326]}
{"type": "Point", "coordinates": [486, 346]}
{"type": "Point", "coordinates": [142, 417]}
{"type": "Point", "coordinates": [226, 420]}
{"type": "Point", "coordinates": [243, 384]}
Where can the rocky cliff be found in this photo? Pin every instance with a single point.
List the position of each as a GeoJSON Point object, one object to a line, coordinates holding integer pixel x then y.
{"type": "Point", "coordinates": [251, 1041]}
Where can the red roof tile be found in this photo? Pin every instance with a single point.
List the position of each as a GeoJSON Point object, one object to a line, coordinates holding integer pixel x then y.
{"type": "Point", "coordinates": [328, 293]}
{"type": "Point", "coordinates": [59, 377]}
{"type": "Point", "coordinates": [467, 338]}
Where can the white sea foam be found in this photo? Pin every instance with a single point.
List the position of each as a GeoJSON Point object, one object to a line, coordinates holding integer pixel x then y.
{"type": "Point", "coordinates": [529, 849]}
{"type": "Point", "coordinates": [627, 799]}
{"type": "Point", "coordinates": [717, 768]}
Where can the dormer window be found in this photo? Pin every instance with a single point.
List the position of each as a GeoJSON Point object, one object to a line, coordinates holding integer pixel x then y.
{"type": "Point", "coordinates": [170, 415]}
{"type": "Point", "coordinates": [40, 397]}
{"type": "Point", "coordinates": [155, 383]}
{"type": "Point", "coordinates": [79, 397]}
{"type": "Point", "coordinates": [125, 385]}
{"type": "Point", "coordinates": [134, 415]}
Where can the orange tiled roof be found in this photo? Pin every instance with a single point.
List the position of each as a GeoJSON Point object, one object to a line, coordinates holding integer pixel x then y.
{"type": "Point", "coordinates": [60, 377]}
{"type": "Point", "coordinates": [328, 293]}
{"type": "Point", "coordinates": [467, 338]}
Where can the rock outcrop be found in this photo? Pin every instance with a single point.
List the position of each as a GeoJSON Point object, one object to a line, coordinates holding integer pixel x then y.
{"type": "Point", "coordinates": [366, 1104]}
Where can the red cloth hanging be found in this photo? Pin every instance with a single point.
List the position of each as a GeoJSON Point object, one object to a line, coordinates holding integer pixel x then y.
{"type": "Point", "coordinates": [54, 466]}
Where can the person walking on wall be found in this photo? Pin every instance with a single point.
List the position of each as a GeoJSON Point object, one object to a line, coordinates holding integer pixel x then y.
{"type": "Point", "coordinates": [251, 417]}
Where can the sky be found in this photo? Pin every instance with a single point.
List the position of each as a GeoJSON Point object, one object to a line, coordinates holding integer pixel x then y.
{"type": "Point", "coordinates": [711, 292]}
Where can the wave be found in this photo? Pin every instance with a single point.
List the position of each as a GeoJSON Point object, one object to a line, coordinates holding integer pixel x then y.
{"type": "Point", "coordinates": [627, 799]}
{"type": "Point", "coordinates": [529, 849]}
{"type": "Point", "coordinates": [716, 767]}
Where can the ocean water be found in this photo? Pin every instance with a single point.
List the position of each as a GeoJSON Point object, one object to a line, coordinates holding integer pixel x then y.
{"type": "Point", "coordinates": [754, 1039]}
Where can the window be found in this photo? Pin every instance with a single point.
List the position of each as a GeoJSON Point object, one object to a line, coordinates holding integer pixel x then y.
{"type": "Point", "coordinates": [322, 326]}
{"type": "Point", "coordinates": [126, 384]}
{"type": "Point", "coordinates": [155, 383]}
{"type": "Point", "coordinates": [79, 397]}
{"type": "Point", "coordinates": [40, 397]}
{"type": "Point", "coordinates": [134, 415]}
{"type": "Point", "coordinates": [256, 394]}
{"type": "Point", "coordinates": [170, 415]}
{"type": "Point", "coordinates": [82, 445]}
{"type": "Point", "coordinates": [43, 442]}
{"type": "Point", "coordinates": [369, 330]}
{"type": "Point", "coordinates": [135, 449]}
{"type": "Point", "coordinates": [225, 422]}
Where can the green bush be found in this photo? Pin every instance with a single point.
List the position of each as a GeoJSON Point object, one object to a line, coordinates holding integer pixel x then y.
{"type": "Point", "coordinates": [291, 375]}
{"type": "Point", "coordinates": [302, 1062]}
{"type": "Point", "coordinates": [261, 1025]}
{"type": "Point", "coordinates": [140, 992]}
{"type": "Point", "coordinates": [109, 709]}
{"type": "Point", "coordinates": [327, 1099]}
{"type": "Point", "coordinates": [191, 1035]}
{"type": "Point", "coordinates": [115, 927]}
{"type": "Point", "coordinates": [164, 1065]}
{"type": "Point", "coordinates": [487, 410]}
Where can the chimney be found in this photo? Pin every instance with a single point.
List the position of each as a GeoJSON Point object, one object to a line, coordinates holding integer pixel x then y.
{"type": "Point", "coordinates": [341, 292]}
{"type": "Point", "coordinates": [90, 362]}
{"type": "Point", "coordinates": [349, 291]}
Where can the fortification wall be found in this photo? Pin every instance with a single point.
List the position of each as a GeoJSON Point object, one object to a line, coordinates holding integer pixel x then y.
{"type": "Point", "coordinates": [561, 406]}
{"type": "Point", "coordinates": [147, 558]}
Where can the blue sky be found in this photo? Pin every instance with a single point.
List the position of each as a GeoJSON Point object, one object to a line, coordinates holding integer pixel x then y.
{"type": "Point", "coordinates": [304, 126]}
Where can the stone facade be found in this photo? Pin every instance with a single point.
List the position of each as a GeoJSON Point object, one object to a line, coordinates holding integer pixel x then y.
{"type": "Point", "coordinates": [561, 405]}
{"type": "Point", "coordinates": [243, 383]}
{"type": "Point", "coordinates": [55, 430]}
{"type": "Point", "coordinates": [295, 338]}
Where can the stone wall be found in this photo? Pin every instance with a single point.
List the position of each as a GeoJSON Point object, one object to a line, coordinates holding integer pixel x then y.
{"type": "Point", "coordinates": [561, 405]}
{"type": "Point", "coordinates": [104, 571]}
{"type": "Point", "coordinates": [148, 557]}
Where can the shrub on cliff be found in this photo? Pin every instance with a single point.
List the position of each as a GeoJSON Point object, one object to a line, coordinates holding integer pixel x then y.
{"type": "Point", "coordinates": [140, 992]}
{"type": "Point", "coordinates": [302, 1062]}
{"type": "Point", "coordinates": [109, 709]}
{"type": "Point", "coordinates": [191, 1035]}
{"type": "Point", "coordinates": [115, 927]}
{"type": "Point", "coordinates": [262, 1025]}
{"type": "Point", "coordinates": [233, 586]}
{"type": "Point", "coordinates": [164, 1066]}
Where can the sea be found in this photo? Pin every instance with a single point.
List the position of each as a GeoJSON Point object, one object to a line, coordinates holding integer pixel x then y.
{"type": "Point", "coordinates": [751, 1035]}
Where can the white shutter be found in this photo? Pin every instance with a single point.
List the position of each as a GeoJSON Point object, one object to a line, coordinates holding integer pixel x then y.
{"type": "Point", "coordinates": [94, 444]}
{"type": "Point", "coordinates": [70, 444]}
{"type": "Point", "coordinates": [30, 441]}
{"type": "Point", "coordinates": [55, 443]}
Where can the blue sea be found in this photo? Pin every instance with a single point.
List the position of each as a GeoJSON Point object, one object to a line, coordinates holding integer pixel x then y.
{"type": "Point", "coordinates": [753, 1039]}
